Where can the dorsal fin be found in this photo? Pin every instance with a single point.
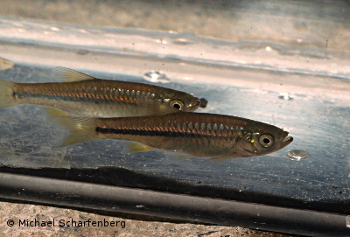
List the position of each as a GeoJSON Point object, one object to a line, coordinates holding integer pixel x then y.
{"type": "Point", "coordinates": [68, 75]}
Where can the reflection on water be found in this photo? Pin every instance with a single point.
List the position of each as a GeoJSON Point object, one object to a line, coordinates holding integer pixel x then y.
{"type": "Point", "coordinates": [297, 155]}
{"type": "Point", "coordinates": [285, 96]}
{"type": "Point", "coordinates": [156, 76]}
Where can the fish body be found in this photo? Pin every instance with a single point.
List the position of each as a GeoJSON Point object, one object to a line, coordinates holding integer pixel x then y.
{"type": "Point", "coordinates": [84, 95]}
{"type": "Point", "coordinates": [194, 134]}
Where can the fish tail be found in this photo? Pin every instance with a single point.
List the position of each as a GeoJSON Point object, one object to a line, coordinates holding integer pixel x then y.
{"type": "Point", "coordinates": [82, 129]}
{"type": "Point", "coordinates": [6, 94]}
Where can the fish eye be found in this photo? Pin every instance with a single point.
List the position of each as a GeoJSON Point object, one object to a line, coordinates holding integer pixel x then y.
{"type": "Point", "coordinates": [177, 104]}
{"type": "Point", "coordinates": [266, 140]}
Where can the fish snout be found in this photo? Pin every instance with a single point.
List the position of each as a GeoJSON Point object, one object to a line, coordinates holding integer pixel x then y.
{"type": "Point", "coordinates": [287, 140]}
{"type": "Point", "coordinates": [203, 103]}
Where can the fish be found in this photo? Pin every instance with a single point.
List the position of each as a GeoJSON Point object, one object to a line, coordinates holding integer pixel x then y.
{"type": "Point", "coordinates": [83, 95]}
{"type": "Point", "coordinates": [218, 137]}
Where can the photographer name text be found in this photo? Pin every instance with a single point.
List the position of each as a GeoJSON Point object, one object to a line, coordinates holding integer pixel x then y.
{"type": "Point", "coordinates": [70, 222]}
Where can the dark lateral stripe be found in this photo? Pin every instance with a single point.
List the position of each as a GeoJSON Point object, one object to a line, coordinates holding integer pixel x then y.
{"type": "Point", "coordinates": [54, 97]}
{"type": "Point", "coordinates": [150, 133]}
{"type": "Point", "coordinates": [69, 98]}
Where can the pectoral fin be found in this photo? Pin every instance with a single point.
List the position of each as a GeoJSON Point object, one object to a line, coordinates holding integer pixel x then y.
{"type": "Point", "coordinates": [155, 108]}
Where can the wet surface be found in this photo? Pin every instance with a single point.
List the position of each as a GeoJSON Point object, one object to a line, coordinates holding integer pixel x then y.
{"type": "Point", "coordinates": [318, 126]}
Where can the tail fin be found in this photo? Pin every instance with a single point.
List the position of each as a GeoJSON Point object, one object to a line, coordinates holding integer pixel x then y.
{"type": "Point", "coordinates": [6, 92]}
{"type": "Point", "coordinates": [82, 129]}
{"type": "Point", "coordinates": [5, 64]}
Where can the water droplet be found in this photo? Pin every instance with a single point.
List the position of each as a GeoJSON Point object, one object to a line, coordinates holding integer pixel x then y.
{"type": "Point", "coordinates": [161, 41]}
{"type": "Point", "coordinates": [53, 28]}
{"type": "Point", "coordinates": [182, 41]}
{"type": "Point", "coordinates": [156, 76]}
{"type": "Point", "coordinates": [297, 155]}
{"type": "Point", "coordinates": [285, 96]}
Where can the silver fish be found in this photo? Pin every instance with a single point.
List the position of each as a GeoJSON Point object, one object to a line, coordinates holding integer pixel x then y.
{"type": "Point", "coordinates": [195, 134]}
{"type": "Point", "coordinates": [84, 95]}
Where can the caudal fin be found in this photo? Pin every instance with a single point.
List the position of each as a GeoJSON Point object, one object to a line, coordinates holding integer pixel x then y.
{"type": "Point", "coordinates": [82, 129]}
{"type": "Point", "coordinates": [6, 94]}
{"type": "Point", "coordinates": [5, 64]}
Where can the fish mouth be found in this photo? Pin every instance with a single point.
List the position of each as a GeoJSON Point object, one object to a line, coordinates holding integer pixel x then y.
{"type": "Point", "coordinates": [287, 140]}
{"type": "Point", "coordinates": [199, 103]}
{"type": "Point", "coordinates": [202, 103]}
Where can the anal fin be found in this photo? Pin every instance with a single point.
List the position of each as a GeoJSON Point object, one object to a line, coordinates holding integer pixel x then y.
{"type": "Point", "coordinates": [134, 147]}
{"type": "Point", "coordinates": [181, 157]}
{"type": "Point", "coordinates": [218, 159]}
